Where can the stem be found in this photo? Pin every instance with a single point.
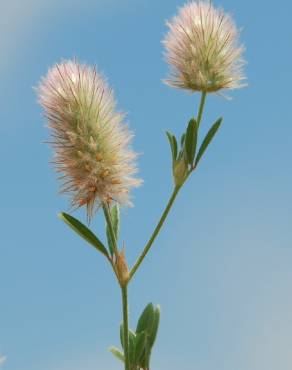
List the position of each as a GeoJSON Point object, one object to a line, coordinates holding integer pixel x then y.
{"type": "Point", "coordinates": [108, 218]}
{"type": "Point", "coordinates": [199, 118]}
{"type": "Point", "coordinates": [155, 232]}
{"type": "Point", "coordinates": [201, 108]}
{"type": "Point", "coordinates": [124, 288]}
{"type": "Point", "coordinates": [126, 326]}
{"type": "Point", "coordinates": [170, 202]}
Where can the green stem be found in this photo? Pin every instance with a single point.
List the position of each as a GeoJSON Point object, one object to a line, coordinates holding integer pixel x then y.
{"type": "Point", "coordinates": [124, 288]}
{"type": "Point", "coordinates": [199, 118]}
{"type": "Point", "coordinates": [201, 107]}
{"type": "Point", "coordinates": [155, 232]}
{"type": "Point", "coordinates": [126, 325]}
{"type": "Point", "coordinates": [170, 202]}
{"type": "Point", "coordinates": [108, 218]}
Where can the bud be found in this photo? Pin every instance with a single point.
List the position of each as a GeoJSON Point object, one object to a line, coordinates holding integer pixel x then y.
{"type": "Point", "coordinates": [122, 267]}
{"type": "Point", "coordinates": [203, 50]}
{"type": "Point", "coordinates": [180, 171]}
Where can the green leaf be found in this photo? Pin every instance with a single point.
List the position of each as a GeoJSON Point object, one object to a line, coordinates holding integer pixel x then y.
{"type": "Point", "coordinates": [146, 333]}
{"type": "Point", "coordinates": [84, 232]}
{"type": "Point", "coordinates": [145, 359]}
{"type": "Point", "coordinates": [173, 144]}
{"type": "Point", "coordinates": [191, 141]}
{"type": "Point", "coordinates": [140, 347]}
{"type": "Point", "coordinates": [182, 140]}
{"type": "Point", "coordinates": [208, 138]}
{"type": "Point", "coordinates": [180, 155]}
{"type": "Point", "coordinates": [122, 334]}
{"type": "Point", "coordinates": [117, 353]}
{"type": "Point", "coordinates": [115, 217]}
{"type": "Point", "coordinates": [146, 320]}
{"type": "Point", "coordinates": [132, 345]}
{"type": "Point", "coordinates": [155, 326]}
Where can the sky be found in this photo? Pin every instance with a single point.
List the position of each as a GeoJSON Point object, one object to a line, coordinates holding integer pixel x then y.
{"type": "Point", "coordinates": [221, 267]}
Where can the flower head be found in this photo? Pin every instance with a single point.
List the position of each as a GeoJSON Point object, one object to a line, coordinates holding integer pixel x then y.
{"type": "Point", "coordinates": [90, 140]}
{"type": "Point", "coordinates": [202, 49]}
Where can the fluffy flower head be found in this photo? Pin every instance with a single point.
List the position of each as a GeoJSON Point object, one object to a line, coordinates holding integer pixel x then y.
{"type": "Point", "coordinates": [202, 49]}
{"type": "Point", "coordinates": [91, 141]}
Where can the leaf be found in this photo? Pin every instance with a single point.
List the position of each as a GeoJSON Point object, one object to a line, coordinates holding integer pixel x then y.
{"type": "Point", "coordinates": [84, 232]}
{"type": "Point", "coordinates": [180, 155]}
{"type": "Point", "coordinates": [132, 342]}
{"type": "Point", "coordinates": [115, 218]}
{"type": "Point", "coordinates": [182, 140]}
{"type": "Point", "coordinates": [115, 215]}
{"type": "Point", "coordinates": [146, 333]}
{"type": "Point", "coordinates": [173, 144]}
{"type": "Point", "coordinates": [122, 334]}
{"type": "Point", "coordinates": [146, 320]}
{"type": "Point", "coordinates": [132, 345]}
{"type": "Point", "coordinates": [191, 141]}
{"type": "Point", "coordinates": [117, 353]}
{"type": "Point", "coordinates": [145, 359]}
{"type": "Point", "coordinates": [208, 138]}
{"type": "Point", "coordinates": [140, 346]}
{"type": "Point", "coordinates": [155, 326]}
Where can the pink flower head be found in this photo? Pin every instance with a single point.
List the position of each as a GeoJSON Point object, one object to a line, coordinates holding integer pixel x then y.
{"type": "Point", "coordinates": [202, 49]}
{"type": "Point", "coordinates": [90, 140]}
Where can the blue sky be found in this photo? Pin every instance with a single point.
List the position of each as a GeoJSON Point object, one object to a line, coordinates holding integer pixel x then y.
{"type": "Point", "coordinates": [221, 268]}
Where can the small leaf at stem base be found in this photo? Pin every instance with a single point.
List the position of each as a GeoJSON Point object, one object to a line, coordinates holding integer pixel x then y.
{"type": "Point", "coordinates": [117, 353]}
